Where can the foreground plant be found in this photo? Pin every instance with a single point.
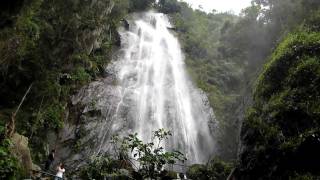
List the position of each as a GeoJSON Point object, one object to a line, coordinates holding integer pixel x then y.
{"type": "Point", "coordinates": [150, 157]}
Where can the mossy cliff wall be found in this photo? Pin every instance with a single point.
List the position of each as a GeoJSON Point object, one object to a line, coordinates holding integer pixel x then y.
{"type": "Point", "coordinates": [57, 46]}
{"type": "Point", "coordinates": [280, 135]}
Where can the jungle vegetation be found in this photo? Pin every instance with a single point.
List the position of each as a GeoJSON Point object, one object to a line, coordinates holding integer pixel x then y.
{"type": "Point", "coordinates": [260, 70]}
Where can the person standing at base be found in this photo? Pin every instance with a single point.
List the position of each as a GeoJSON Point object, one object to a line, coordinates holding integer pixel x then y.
{"type": "Point", "coordinates": [50, 160]}
{"type": "Point", "coordinates": [61, 170]}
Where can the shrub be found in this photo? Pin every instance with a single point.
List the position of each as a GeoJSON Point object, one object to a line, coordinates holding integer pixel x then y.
{"type": "Point", "coordinates": [9, 166]}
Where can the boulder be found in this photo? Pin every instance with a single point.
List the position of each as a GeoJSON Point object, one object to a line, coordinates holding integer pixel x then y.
{"type": "Point", "coordinates": [21, 150]}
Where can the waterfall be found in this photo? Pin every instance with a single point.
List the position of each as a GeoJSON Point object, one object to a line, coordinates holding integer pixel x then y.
{"type": "Point", "coordinates": [155, 90]}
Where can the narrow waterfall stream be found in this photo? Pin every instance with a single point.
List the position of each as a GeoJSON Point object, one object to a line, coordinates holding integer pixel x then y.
{"type": "Point", "coordinates": [151, 73]}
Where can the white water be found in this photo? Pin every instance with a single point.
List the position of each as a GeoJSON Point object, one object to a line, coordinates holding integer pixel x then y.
{"type": "Point", "coordinates": [152, 76]}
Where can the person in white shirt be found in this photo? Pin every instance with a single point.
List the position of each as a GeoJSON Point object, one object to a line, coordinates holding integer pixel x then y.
{"type": "Point", "coordinates": [60, 172]}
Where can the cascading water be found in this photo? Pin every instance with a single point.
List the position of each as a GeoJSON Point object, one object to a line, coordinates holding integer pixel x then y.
{"type": "Point", "coordinates": [153, 81]}
{"type": "Point", "coordinates": [146, 88]}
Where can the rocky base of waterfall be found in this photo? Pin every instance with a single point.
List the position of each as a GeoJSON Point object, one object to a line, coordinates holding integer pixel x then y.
{"type": "Point", "coordinates": [91, 123]}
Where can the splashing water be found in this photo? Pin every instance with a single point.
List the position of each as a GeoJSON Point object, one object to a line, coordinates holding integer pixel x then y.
{"type": "Point", "coordinates": [152, 76]}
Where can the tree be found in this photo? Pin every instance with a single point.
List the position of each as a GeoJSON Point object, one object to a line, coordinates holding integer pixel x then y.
{"type": "Point", "coordinates": [140, 5]}
{"type": "Point", "coordinates": [169, 6]}
{"type": "Point", "coordinates": [151, 156]}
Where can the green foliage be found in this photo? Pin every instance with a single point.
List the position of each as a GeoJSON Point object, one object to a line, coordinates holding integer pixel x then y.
{"type": "Point", "coordinates": [214, 170]}
{"type": "Point", "coordinates": [140, 5]}
{"type": "Point", "coordinates": [130, 151]}
{"type": "Point", "coordinates": [219, 169]}
{"type": "Point", "coordinates": [169, 6]}
{"type": "Point", "coordinates": [99, 167]}
{"type": "Point", "coordinates": [9, 166]}
{"type": "Point", "coordinates": [52, 44]}
{"type": "Point", "coordinates": [198, 171]}
{"type": "Point", "coordinates": [294, 49]}
{"type": "Point", "coordinates": [281, 131]}
{"type": "Point", "coordinates": [80, 76]}
{"type": "Point", "coordinates": [53, 116]}
{"type": "Point", "coordinates": [150, 156]}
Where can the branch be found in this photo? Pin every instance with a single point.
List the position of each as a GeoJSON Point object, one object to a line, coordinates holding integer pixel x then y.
{"type": "Point", "coordinates": [10, 126]}
{"type": "Point", "coordinates": [22, 100]}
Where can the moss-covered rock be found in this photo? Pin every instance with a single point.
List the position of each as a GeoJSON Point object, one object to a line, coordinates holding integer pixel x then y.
{"type": "Point", "coordinates": [21, 150]}
{"type": "Point", "coordinates": [281, 131]}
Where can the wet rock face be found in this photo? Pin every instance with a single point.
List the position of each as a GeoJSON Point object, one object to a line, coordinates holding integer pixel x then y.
{"type": "Point", "coordinates": [90, 123]}
{"type": "Point", "coordinates": [99, 102]}
{"type": "Point", "coordinates": [96, 113]}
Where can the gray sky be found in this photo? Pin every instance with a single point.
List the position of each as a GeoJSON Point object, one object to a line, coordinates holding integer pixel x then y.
{"type": "Point", "coordinates": [220, 5]}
